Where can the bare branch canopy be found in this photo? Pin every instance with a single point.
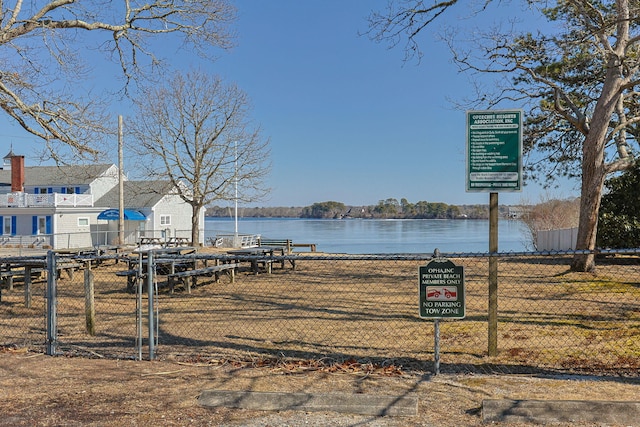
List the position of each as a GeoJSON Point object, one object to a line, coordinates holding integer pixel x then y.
{"type": "Point", "coordinates": [577, 81]}
{"type": "Point", "coordinates": [195, 132]}
{"type": "Point", "coordinates": [48, 49]}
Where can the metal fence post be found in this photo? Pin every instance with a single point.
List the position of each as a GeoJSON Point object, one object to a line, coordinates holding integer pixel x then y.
{"type": "Point", "coordinates": [139, 306]}
{"type": "Point", "coordinates": [436, 347]}
{"type": "Point", "coordinates": [52, 303]}
{"type": "Point", "coordinates": [150, 289]}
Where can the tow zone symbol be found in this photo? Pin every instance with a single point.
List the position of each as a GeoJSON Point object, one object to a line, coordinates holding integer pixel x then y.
{"type": "Point", "coordinates": [442, 293]}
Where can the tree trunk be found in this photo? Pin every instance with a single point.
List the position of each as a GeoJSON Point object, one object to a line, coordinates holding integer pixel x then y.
{"type": "Point", "coordinates": [592, 182]}
{"type": "Point", "coordinates": [594, 169]}
{"type": "Point", "coordinates": [195, 225]}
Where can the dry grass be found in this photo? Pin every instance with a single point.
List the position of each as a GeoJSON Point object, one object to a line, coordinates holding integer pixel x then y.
{"type": "Point", "coordinates": [337, 310]}
{"type": "Point", "coordinates": [328, 326]}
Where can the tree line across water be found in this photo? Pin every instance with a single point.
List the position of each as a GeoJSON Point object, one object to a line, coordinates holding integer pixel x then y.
{"type": "Point", "coordinates": [619, 214]}
{"type": "Point", "coordinates": [385, 209]}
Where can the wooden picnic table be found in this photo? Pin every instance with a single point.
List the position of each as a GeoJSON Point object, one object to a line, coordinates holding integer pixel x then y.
{"type": "Point", "coordinates": [165, 243]}
{"type": "Point", "coordinates": [190, 277]}
{"type": "Point", "coordinates": [258, 255]}
{"type": "Point", "coordinates": [164, 266]}
{"type": "Point", "coordinates": [176, 270]}
{"type": "Point", "coordinates": [27, 267]}
{"type": "Point", "coordinates": [150, 241]}
{"type": "Point", "coordinates": [177, 241]}
{"type": "Point", "coordinates": [24, 268]}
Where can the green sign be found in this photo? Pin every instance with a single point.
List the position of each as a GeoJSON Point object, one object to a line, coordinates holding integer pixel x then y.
{"type": "Point", "coordinates": [494, 151]}
{"type": "Point", "coordinates": [442, 290]}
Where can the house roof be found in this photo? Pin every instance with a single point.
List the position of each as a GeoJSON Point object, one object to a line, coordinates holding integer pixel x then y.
{"type": "Point", "coordinates": [137, 194]}
{"type": "Point", "coordinates": [58, 175]}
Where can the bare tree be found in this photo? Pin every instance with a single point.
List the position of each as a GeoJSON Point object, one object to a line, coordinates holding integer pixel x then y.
{"type": "Point", "coordinates": [48, 50]}
{"type": "Point", "coordinates": [195, 132]}
{"type": "Point", "coordinates": [551, 214]}
{"type": "Point", "coordinates": [579, 85]}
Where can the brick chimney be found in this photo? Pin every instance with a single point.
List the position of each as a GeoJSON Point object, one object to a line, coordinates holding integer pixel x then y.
{"type": "Point", "coordinates": [17, 174]}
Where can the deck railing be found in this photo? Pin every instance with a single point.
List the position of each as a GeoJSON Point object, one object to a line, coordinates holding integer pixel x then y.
{"type": "Point", "coordinates": [23, 244]}
{"type": "Point", "coordinates": [233, 240]}
{"type": "Point", "coordinates": [25, 200]}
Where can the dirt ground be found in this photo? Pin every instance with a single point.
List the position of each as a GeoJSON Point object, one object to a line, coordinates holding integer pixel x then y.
{"type": "Point", "coordinates": [39, 390]}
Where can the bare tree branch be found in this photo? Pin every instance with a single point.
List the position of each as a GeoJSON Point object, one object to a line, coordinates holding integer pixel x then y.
{"type": "Point", "coordinates": [404, 20]}
{"type": "Point", "coordinates": [579, 86]}
{"type": "Point", "coordinates": [195, 132]}
{"type": "Point", "coordinates": [43, 52]}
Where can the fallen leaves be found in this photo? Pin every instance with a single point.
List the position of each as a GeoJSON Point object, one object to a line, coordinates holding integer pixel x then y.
{"type": "Point", "coordinates": [349, 366]}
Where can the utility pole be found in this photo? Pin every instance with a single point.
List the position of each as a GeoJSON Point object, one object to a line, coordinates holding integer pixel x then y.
{"type": "Point", "coordinates": [236, 238]}
{"type": "Point", "coordinates": [120, 183]}
{"type": "Point", "coordinates": [493, 274]}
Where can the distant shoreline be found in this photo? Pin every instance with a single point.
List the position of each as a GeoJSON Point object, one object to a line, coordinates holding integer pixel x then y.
{"type": "Point", "coordinates": [334, 219]}
{"type": "Point", "coordinates": [388, 209]}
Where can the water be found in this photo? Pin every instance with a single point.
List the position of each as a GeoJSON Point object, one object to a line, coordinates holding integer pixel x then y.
{"type": "Point", "coordinates": [376, 236]}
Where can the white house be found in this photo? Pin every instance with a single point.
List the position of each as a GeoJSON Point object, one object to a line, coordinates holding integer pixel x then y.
{"type": "Point", "coordinates": [164, 211]}
{"type": "Point", "coordinates": [59, 206]}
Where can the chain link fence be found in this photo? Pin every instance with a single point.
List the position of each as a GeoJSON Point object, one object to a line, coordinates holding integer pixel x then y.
{"type": "Point", "coordinates": [328, 309]}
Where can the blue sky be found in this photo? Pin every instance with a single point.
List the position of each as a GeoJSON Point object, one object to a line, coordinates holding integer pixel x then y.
{"type": "Point", "coordinates": [348, 120]}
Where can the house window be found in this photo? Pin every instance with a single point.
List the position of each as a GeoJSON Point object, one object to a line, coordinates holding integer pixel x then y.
{"type": "Point", "coordinates": [69, 190]}
{"type": "Point", "coordinates": [41, 225]}
{"type": "Point", "coordinates": [165, 219]}
{"type": "Point", "coordinates": [6, 225]}
{"type": "Point", "coordinates": [83, 222]}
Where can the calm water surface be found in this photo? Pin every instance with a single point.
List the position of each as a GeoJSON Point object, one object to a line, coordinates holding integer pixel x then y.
{"type": "Point", "coordinates": [374, 236]}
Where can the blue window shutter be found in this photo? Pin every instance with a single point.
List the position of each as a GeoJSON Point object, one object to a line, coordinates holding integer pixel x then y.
{"type": "Point", "coordinates": [77, 190]}
{"type": "Point", "coordinates": [36, 190]}
{"type": "Point", "coordinates": [48, 224]}
{"type": "Point", "coordinates": [13, 225]}
{"type": "Point", "coordinates": [34, 225]}
{"type": "Point", "coordinates": [49, 190]}
{"type": "Point", "coordinates": [63, 190]}
{"type": "Point", "coordinates": [2, 223]}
